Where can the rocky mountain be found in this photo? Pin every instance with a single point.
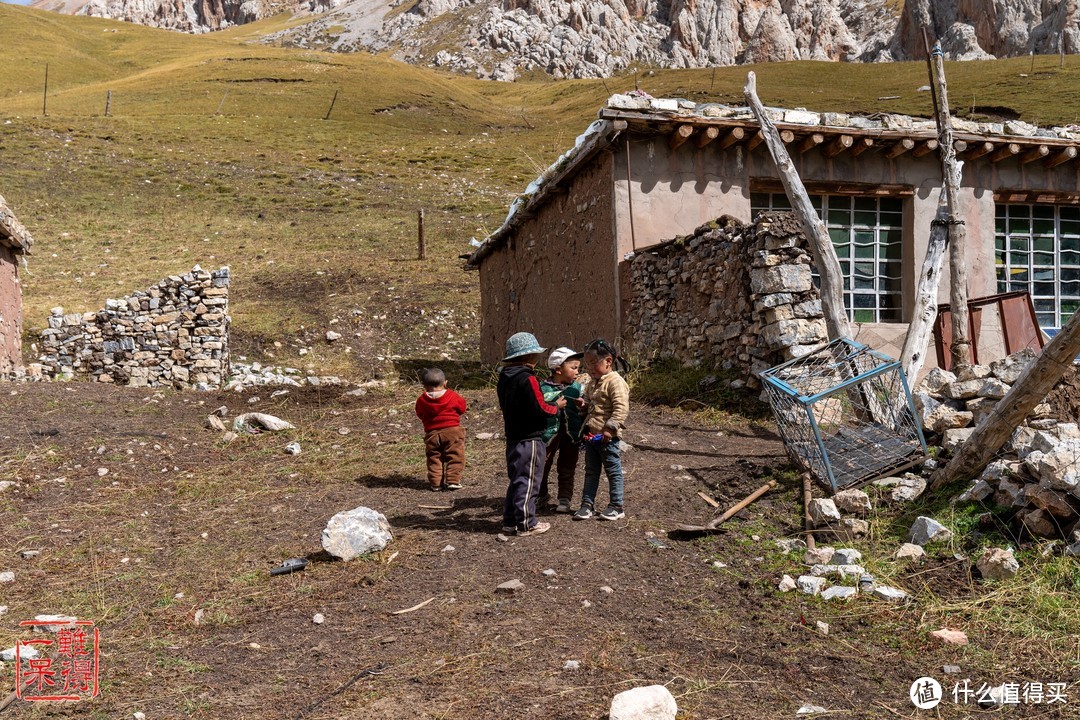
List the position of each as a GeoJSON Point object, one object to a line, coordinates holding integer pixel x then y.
{"type": "Point", "coordinates": [501, 39]}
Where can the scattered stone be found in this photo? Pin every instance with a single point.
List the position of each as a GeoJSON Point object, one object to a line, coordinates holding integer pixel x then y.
{"type": "Point", "coordinates": [997, 564]}
{"type": "Point", "coordinates": [572, 665]}
{"type": "Point", "coordinates": [823, 511]}
{"type": "Point", "coordinates": [787, 584]}
{"type": "Point", "coordinates": [973, 372]}
{"type": "Point", "coordinates": [910, 551]}
{"type": "Point", "coordinates": [908, 488]}
{"type": "Point", "coordinates": [548, 573]}
{"type": "Point", "coordinates": [949, 637]}
{"type": "Point", "coordinates": [852, 501]}
{"type": "Point", "coordinates": [332, 336]}
{"type": "Point", "coordinates": [53, 623]}
{"type": "Point", "coordinates": [951, 669]}
{"type": "Point", "coordinates": [840, 571]}
{"type": "Point", "coordinates": [954, 438]}
{"type": "Point", "coordinates": [809, 710]}
{"type": "Point", "coordinates": [229, 437]}
{"type": "Point", "coordinates": [822, 627]}
{"type": "Point", "coordinates": [885, 592]}
{"type": "Point", "coordinates": [449, 549]}
{"type": "Point", "coordinates": [810, 584]}
{"type": "Point", "coordinates": [510, 587]}
{"type": "Point", "coordinates": [654, 702]}
{"type": "Point", "coordinates": [1039, 523]}
{"type": "Point", "coordinates": [253, 400]}
{"type": "Point", "coordinates": [845, 556]}
{"type": "Point", "coordinates": [485, 436]}
{"type": "Point", "coordinates": [7, 577]}
{"type": "Point", "coordinates": [790, 545]}
{"type": "Point", "coordinates": [962, 390]}
{"type": "Point", "coordinates": [927, 530]}
{"type": "Point", "coordinates": [199, 614]}
{"type": "Point", "coordinates": [936, 380]}
{"type": "Point", "coordinates": [976, 493]}
{"type": "Point", "coordinates": [5, 484]}
{"type": "Point", "coordinates": [293, 448]}
{"type": "Point", "coordinates": [356, 532]}
{"type": "Point", "coordinates": [102, 471]}
{"type": "Point", "coordinates": [215, 423]}
{"type": "Point", "coordinates": [221, 412]}
{"type": "Point", "coordinates": [606, 590]}
{"type": "Point", "coordinates": [29, 554]}
{"type": "Point", "coordinates": [256, 422]}
{"type": "Point", "coordinates": [28, 652]}
{"type": "Point", "coordinates": [502, 538]}
{"type": "Point", "coordinates": [819, 555]}
{"type": "Point", "coordinates": [839, 592]}
{"type": "Point", "coordinates": [854, 528]}
{"type": "Point", "coordinates": [719, 565]}
{"type": "Point", "coordinates": [139, 716]}
{"type": "Point", "coordinates": [318, 619]}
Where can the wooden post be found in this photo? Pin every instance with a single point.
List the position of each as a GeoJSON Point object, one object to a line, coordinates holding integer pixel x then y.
{"type": "Point", "coordinates": [832, 279]}
{"type": "Point", "coordinates": [421, 242]}
{"type": "Point", "coordinates": [334, 100]}
{"type": "Point", "coordinates": [45, 95]}
{"type": "Point", "coordinates": [958, 295]}
{"type": "Point", "coordinates": [1029, 390]}
{"type": "Point", "coordinates": [108, 102]}
{"type": "Point", "coordinates": [1061, 49]}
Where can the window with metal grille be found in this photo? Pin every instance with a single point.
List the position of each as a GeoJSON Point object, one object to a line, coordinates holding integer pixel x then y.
{"type": "Point", "coordinates": [1037, 248]}
{"type": "Point", "coordinates": [868, 234]}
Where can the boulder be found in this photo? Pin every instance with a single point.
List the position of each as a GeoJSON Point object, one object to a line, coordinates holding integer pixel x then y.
{"type": "Point", "coordinates": [1010, 493]}
{"type": "Point", "coordinates": [853, 528]}
{"type": "Point", "coordinates": [823, 511]}
{"type": "Point", "coordinates": [973, 372]}
{"type": "Point", "coordinates": [654, 702]}
{"type": "Point", "coordinates": [885, 592]}
{"type": "Point", "coordinates": [819, 555]}
{"type": "Point", "coordinates": [811, 584]}
{"type": "Point", "coordinates": [1052, 501]}
{"type": "Point", "coordinates": [1039, 523]}
{"type": "Point", "coordinates": [908, 488]}
{"type": "Point", "coordinates": [993, 388]}
{"type": "Point", "coordinates": [356, 532]}
{"type": "Point", "coordinates": [927, 530]}
{"type": "Point", "coordinates": [963, 390]}
{"type": "Point", "coordinates": [1008, 369]}
{"type": "Point", "coordinates": [1060, 468]}
{"type": "Point", "coordinates": [852, 501]}
{"type": "Point", "coordinates": [997, 564]}
{"type": "Point", "coordinates": [978, 492]}
{"type": "Point", "coordinates": [937, 379]}
{"type": "Point", "coordinates": [946, 417]}
{"type": "Point", "coordinates": [952, 439]}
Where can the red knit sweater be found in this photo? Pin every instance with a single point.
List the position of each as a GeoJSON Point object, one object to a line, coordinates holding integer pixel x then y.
{"type": "Point", "coordinates": [443, 412]}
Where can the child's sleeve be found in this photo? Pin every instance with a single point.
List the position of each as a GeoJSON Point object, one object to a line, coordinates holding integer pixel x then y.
{"type": "Point", "coordinates": [620, 404]}
{"type": "Point", "coordinates": [419, 413]}
{"type": "Point", "coordinates": [546, 407]}
{"type": "Point", "coordinates": [459, 404]}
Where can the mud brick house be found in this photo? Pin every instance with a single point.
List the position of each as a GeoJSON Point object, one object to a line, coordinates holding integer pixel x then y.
{"type": "Point", "coordinates": [649, 170]}
{"type": "Point", "coordinates": [15, 240]}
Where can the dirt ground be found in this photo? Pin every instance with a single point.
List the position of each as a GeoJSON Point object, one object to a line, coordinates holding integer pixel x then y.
{"type": "Point", "coordinates": [168, 550]}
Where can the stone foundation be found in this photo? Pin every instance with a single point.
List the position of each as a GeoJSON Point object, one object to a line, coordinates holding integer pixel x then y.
{"type": "Point", "coordinates": [729, 296]}
{"type": "Point", "coordinates": [175, 333]}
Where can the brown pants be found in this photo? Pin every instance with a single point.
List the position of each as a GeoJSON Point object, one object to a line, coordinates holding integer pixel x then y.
{"type": "Point", "coordinates": [445, 455]}
{"type": "Point", "coordinates": [563, 446]}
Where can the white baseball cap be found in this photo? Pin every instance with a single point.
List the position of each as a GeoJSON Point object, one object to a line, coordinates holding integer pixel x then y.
{"type": "Point", "coordinates": [560, 355]}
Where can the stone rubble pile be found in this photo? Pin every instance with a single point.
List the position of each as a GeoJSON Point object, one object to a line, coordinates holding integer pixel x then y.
{"type": "Point", "coordinates": [1037, 475]}
{"type": "Point", "coordinates": [248, 375]}
{"type": "Point", "coordinates": [175, 333]}
{"type": "Point", "coordinates": [731, 295]}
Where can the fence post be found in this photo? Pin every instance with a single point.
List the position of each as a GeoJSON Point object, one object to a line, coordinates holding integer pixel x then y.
{"type": "Point", "coordinates": [421, 242]}
{"type": "Point", "coordinates": [108, 102]}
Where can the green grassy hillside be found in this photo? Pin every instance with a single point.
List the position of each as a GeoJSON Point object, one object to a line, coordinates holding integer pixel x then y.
{"type": "Point", "coordinates": [216, 152]}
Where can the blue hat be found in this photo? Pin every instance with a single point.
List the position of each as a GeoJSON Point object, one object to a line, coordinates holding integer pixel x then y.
{"type": "Point", "coordinates": [521, 344]}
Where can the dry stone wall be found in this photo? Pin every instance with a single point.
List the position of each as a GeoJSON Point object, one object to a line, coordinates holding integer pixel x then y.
{"type": "Point", "coordinates": [730, 296]}
{"type": "Point", "coordinates": [175, 333]}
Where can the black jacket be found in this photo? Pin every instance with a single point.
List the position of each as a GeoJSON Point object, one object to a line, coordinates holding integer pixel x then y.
{"type": "Point", "coordinates": [525, 414]}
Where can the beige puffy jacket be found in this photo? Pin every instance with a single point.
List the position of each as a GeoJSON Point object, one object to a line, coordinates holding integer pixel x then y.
{"type": "Point", "coordinates": [608, 404]}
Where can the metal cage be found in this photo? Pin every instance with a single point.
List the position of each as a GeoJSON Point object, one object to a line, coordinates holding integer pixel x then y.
{"type": "Point", "coordinates": [845, 413]}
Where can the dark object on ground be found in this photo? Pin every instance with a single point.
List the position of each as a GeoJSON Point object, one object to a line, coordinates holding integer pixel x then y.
{"type": "Point", "coordinates": [290, 565]}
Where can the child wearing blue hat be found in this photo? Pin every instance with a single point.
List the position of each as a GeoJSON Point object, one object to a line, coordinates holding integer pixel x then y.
{"type": "Point", "coordinates": [525, 418]}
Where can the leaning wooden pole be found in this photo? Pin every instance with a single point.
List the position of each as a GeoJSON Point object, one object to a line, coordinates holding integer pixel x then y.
{"type": "Point", "coordinates": [958, 295]}
{"type": "Point", "coordinates": [1029, 390]}
{"type": "Point", "coordinates": [832, 279]}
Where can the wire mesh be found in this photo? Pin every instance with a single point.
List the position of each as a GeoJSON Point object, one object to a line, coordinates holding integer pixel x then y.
{"type": "Point", "coordinates": [845, 413]}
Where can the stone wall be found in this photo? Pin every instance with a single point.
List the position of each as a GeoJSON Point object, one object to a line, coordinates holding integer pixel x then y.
{"type": "Point", "coordinates": [175, 333]}
{"type": "Point", "coordinates": [729, 296]}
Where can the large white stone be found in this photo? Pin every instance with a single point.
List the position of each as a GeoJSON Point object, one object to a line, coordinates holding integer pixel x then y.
{"type": "Point", "coordinates": [997, 564]}
{"type": "Point", "coordinates": [852, 501]}
{"type": "Point", "coordinates": [356, 532]}
{"type": "Point", "coordinates": [927, 530]}
{"type": "Point", "coordinates": [811, 584]}
{"type": "Point", "coordinates": [908, 488]}
{"type": "Point", "coordinates": [937, 379]}
{"type": "Point", "coordinates": [654, 702]}
{"type": "Point", "coordinates": [823, 511]}
{"type": "Point", "coordinates": [953, 438]}
{"type": "Point", "coordinates": [253, 422]}
{"type": "Point", "coordinates": [846, 556]}
{"type": "Point", "coordinates": [1060, 469]}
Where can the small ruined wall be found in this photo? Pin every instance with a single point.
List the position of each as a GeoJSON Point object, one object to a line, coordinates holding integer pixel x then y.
{"type": "Point", "coordinates": [175, 333]}
{"type": "Point", "coordinates": [729, 296]}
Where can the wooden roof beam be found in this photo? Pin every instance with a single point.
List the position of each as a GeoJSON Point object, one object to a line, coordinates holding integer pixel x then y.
{"type": "Point", "coordinates": [706, 136]}
{"type": "Point", "coordinates": [861, 145]}
{"type": "Point", "coordinates": [977, 150]}
{"type": "Point", "coordinates": [1038, 152]}
{"type": "Point", "coordinates": [1005, 151]}
{"type": "Point", "coordinates": [787, 137]}
{"type": "Point", "coordinates": [837, 146]}
{"type": "Point", "coordinates": [810, 141]}
{"type": "Point", "coordinates": [682, 134]}
{"type": "Point", "coordinates": [925, 148]}
{"type": "Point", "coordinates": [960, 146]}
{"type": "Point", "coordinates": [1064, 156]}
{"type": "Point", "coordinates": [737, 135]}
{"type": "Point", "coordinates": [900, 148]}
{"type": "Point", "coordinates": [753, 142]}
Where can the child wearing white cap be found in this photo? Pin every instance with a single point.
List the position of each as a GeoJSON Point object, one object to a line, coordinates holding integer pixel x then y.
{"type": "Point", "coordinates": [564, 429]}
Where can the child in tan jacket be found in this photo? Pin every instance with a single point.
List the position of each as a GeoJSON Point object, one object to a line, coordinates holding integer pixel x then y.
{"type": "Point", "coordinates": [607, 405]}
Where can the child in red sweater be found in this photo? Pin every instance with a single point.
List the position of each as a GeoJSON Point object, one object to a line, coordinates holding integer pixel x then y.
{"type": "Point", "coordinates": [440, 409]}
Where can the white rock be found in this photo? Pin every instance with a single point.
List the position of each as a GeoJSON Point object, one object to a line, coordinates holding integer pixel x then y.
{"type": "Point", "coordinates": [976, 493]}
{"type": "Point", "coordinates": [819, 555]}
{"type": "Point", "coordinates": [332, 336]}
{"type": "Point", "coordinates": [852, 501]}
{"type": "Point", "coordinates": [790, 545]}
{"type": "Point", "coordinates": [510, 587]}
{"type": "Point", "coordinates": [139, 716]}
{"type": "Point", "coordinates": [927, 530]}
{"type": "Point", "coordinates": [787, 584]}
{"type": "Point", "coordinates": [839, 592]}
{"type": "Point", "coordinates": [654, 702]}
{"type": "Point", "coordinates": [910, 551]}
{"type": "Point", "coordinates": [823, 511]}
{"type": "Point", "coordinates": [484, 436]}
{"type": "Point", "coordinates": [997, 564]}
{"type": "Point", "coordinates": [28, 652]}
{"type": "Point", "coordinates": [356, 532]}
{"type": "Point", "coordinates": [449, 549]}
{"type": "Point", "coordinates": [572, 665]}
{"type": "Point", "coordinates": [841, 571]}
{"type": "Point", "coordinates": [908, 488]}
{"type": "Point", "coordinates": [846, 556]}
{"type": "Point", "coordinates": [810, 584]}
{"type": "Point", "coordinates": [253, 422]}
{"type": "Point", "coordinates": [886, 592]}
{"type": "Point", "coordinates": [318, 619]}
{"type": "Point", "coordinates": [810, 710]}
{"type": "Point", "coordinates": [955, 437]}
{"type": "Point", "coordinates": [7, 577]}
{"type": "Point", "coordinates": [937, 379]}
{"type": "Point", "coordinates": [293, 448]}
{"type": "Point", "coordinates": [823, 627]}
{"type": "Point", "coordinates": [548, 573]}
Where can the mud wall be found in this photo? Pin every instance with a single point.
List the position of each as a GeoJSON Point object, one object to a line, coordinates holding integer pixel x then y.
{"type": "Point", "coordinates": [557, 274]}
{"type": "Point", "coordinates": [729, 296]}
{"type": "Point", "coordinates": [175, 333]}
{"type": "Point", "coordinates": [10, 313]}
